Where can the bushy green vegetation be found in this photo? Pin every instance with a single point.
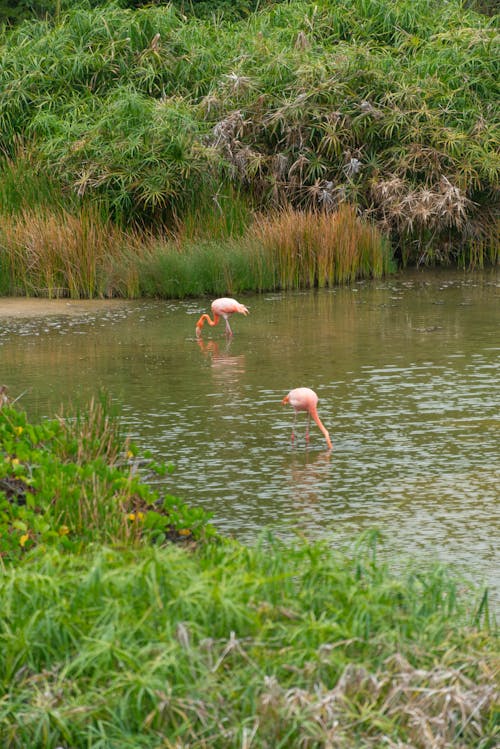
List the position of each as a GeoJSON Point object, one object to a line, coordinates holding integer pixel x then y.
{"type": "Point", "coordinates": [70, 482]}
{"type": "Point", "coordinates": [146, 113]}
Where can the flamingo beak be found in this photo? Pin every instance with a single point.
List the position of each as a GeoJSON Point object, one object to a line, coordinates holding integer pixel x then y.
{"type": "Point", "coordinates": [284, 401]}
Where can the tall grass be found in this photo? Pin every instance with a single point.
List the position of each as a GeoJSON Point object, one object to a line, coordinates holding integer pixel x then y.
{"type": "Point", "coordinates": [322, 249]}
{"type": "Point", "coordinates": [61, 254]}
{"type": "Point", "coordinates": [232, 646]}
{"type": "Point", "coordinates": [286, 250]}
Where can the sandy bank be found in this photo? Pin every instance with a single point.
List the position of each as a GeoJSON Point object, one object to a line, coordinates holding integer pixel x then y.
{"type": "Point", "coordinates": [31, 307]}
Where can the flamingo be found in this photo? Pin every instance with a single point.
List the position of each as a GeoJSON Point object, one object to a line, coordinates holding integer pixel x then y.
{"type": "Point", "coordinates": [305, 399]}
{"type": "Point", "coordinates": [221, 308]}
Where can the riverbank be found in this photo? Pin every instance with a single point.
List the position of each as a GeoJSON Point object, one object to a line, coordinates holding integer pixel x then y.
{"type": "Point", "coordinates": [29, 307]}
{"type": "Point", "coordinates": [125, 621]}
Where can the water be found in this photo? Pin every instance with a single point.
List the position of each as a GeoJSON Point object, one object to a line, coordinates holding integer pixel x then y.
{"type": "Point", "coordinates": [407, 372]}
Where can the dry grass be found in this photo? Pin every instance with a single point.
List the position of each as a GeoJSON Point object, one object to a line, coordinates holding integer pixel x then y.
{"type": "Point", "coordinates": [322, 249]}
{"type": "Point", "coordinates": [438, 708]}
{"type": "Point", "coordinates": [55, 254]}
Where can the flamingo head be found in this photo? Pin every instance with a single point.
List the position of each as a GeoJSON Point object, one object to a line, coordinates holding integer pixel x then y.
{"type": "Point", "coordinates": [285, 400]}
{"type": "Point", "coordinates": [199, 326]}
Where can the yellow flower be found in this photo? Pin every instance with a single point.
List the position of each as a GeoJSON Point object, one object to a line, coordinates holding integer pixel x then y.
{"type": "Point", "coordinates": [23, 539]}
{"type": "Point", "coordinates": [19, 430]}
{"type": "Point", "coordinates": [130, 454]}
{"type": "Point", "coordinates": [135, 516]}
{"type": "Point", "coordinates": [184, 532]}
{"type": "Point", "coordinates": [63, 530]}
{"type": "Point", "coordinates": [15, 461]}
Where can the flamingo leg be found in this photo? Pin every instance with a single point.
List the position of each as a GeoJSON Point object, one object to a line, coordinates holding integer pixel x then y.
{"type": "Point", "coordinates": [307, 427]}
{"type": "Point", "coordinates": [229, 332]}
{"type": "Point", "coordinates": [293, 426]}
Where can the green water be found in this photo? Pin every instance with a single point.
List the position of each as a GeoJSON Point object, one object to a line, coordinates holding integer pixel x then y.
{"type": "Point", "coordinates": [407, 372]}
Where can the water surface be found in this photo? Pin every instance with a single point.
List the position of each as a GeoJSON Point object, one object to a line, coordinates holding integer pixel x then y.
{"type": "Point", "coordinates": [407, 372]}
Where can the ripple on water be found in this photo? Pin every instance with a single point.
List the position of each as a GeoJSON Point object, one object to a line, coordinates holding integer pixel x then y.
{"type": "Point", "coordinates": [407, 372]}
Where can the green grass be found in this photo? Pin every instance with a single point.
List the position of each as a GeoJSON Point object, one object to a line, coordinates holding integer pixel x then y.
{"type": "Point", "coordinates": [292, 646]}
{"type": "Point", "coordinates": [147, 113]}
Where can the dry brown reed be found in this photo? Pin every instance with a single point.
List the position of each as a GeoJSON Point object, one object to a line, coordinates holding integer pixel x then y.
{"type": "Point", "coordinates": [60, 254]}
{"type": "Point", "coordinates": [321, 249]}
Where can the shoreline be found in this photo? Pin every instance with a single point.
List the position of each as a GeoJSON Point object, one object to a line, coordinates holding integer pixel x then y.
{"type": "Point", "coordinates": [19, 307]}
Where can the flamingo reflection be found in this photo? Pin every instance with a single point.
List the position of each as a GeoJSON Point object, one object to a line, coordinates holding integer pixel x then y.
{"type": "Point", "coordinates": [309, 474]}
{"type": "Point", "coordinates": [226, 367]}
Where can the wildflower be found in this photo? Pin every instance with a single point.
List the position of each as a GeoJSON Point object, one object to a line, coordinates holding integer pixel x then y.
{"type": "Point", "coordinates": [184, 532]}
{"type": "Point", "coordinates": [130, 454]}
{"type": "Point", "coordinates": [135, 516]}
{"type": "Point", "coordinates": [18, 430]}
{"type": "Point", "coordinates": [23, 539]}
{"type": "Point", "coordinates": [15, 461]}
{"type": "Point", "coordinates": [63, 530]}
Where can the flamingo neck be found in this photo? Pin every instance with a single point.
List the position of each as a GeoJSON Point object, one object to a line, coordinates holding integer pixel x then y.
{"type": "Point", "coordinates": [316, 418]}
{"type": "Point", "coordinates": [206, 318]}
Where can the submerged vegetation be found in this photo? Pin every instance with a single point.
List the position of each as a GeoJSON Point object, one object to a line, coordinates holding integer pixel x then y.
{"type": "Point", "coordinates": [155, 119]}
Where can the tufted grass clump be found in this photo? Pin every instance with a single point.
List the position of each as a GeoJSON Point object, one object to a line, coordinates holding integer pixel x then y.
{"type": "Point", "coordinates": [230, 646]}
{"type": "Point", "coordinates": [56, 253]}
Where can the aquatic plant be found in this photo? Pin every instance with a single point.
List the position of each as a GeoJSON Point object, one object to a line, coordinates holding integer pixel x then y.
{"type": "Point", "coordinates": [48, 253]}
{"type": "Point", "coordinates": [145, 112]}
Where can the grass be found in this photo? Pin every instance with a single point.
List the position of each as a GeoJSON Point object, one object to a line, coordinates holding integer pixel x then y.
{"type": "Point", "coordinates": [81, 256]}
{"type": "Point", "coordinates": [62, 254]}
{"type": "Point", "coordinates": [230, 646]}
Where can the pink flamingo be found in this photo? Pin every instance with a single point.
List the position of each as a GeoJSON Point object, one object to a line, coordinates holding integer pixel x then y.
{"type": "Point", "coordinates": [221, 308]}
{"type": "Point", "coordinates": [305, 399]}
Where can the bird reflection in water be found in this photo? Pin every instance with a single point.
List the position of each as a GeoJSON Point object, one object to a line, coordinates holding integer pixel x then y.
{"type": "Point", "coordinates": [226, 367]}
{"type": "Point", "coordinates": [309, 475]}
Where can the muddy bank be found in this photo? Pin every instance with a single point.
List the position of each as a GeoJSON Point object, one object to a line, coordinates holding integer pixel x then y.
{"type": "Point", "coordinates": [35, 307]}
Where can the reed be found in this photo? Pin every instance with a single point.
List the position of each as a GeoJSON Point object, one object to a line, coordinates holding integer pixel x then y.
{"type": "Point", "coordinates": [59, 254]}
{"type": "Point", "coordinates": [482, 250]}
{"type": "Point", "coordinates": [322, 249]}
{"type": "Point", "coordinates": [55, 253]}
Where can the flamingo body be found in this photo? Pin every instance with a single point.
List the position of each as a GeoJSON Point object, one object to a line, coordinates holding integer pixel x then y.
{"type": "Point", "coordinates": [305, 399]}
{"type": "Point", "coordinates": [222, 307]}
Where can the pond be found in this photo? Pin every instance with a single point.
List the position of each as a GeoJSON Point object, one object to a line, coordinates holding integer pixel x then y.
{"type": "Point", "coordinates": [407, 374]}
